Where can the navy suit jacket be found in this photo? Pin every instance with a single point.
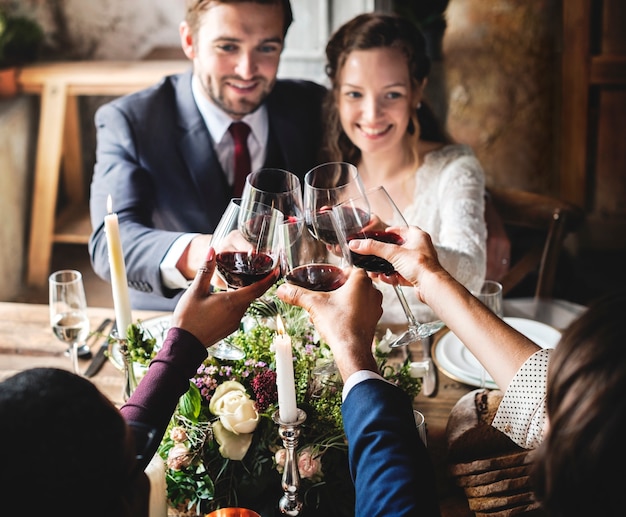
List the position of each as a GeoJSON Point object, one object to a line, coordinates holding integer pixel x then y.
{"type": "Point", "coordinates": [155, 157]}
{"type": "Point", "coordinates": [390, 466]}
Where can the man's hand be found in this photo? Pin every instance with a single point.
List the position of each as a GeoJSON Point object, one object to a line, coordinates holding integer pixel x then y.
{"type": "Point", "coordinates": [346, 318]}
{"type": "Point", "coordinates": [213, 316]}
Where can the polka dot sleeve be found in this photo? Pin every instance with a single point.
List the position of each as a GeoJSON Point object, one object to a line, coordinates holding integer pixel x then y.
{"type": "Point", "coordinates": [522, 414]}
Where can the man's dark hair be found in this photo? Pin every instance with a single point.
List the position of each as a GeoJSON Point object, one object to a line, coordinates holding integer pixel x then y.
{"type": "Point", "coordinates": [196, 7]}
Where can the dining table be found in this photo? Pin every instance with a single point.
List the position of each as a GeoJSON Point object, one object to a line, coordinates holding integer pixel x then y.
{"type": "Point", "coordinates": [27, 341]}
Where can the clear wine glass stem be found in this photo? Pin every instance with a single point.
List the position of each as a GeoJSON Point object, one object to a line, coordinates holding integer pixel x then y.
{"type": "Point", "coordinates": [74, 357]}
{"type": "Point", "coordinates": [416, 330]}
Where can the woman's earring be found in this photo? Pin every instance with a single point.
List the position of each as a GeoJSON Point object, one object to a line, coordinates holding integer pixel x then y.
{"type": "Point", "coordinates": [419, 105]}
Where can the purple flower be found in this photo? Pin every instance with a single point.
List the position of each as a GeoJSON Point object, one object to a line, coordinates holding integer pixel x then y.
{"type": "Point", "coordinates": [264, 388]}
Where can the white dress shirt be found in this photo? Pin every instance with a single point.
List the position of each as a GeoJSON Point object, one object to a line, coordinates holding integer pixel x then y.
{"type": "Point", "coordinates": [217, 122]}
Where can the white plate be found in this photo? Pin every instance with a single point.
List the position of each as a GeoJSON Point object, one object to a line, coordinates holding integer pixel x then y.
{"type": "Point", "coordinates": [456, 361]}
{"type": "Point", "coordinates": [156, 328]}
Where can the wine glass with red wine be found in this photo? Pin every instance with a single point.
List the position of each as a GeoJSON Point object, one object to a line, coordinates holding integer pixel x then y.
{"type": "Point", "coordinates": [313, 264]}
{"type": "Point", "coordinates": [309, 262]}
{"type": "Point", "coordinates": [277, 188]}
{"type": "Point", "coordinates": [247, 250]}
{"type": "Point", "coordinates": [326, 186]}
{"type": "Point", "coordinates": [368, 217]}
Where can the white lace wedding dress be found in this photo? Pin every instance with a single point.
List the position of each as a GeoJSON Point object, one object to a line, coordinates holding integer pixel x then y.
{"type": "Point", "coordinates": [448, 203]}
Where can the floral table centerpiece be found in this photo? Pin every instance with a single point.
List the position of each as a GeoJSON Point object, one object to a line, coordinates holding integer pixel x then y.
{"type": "Point", "coordinates": [222, 447]}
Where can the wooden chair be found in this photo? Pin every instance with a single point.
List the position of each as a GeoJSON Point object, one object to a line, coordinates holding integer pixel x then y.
{"type": "Point", "coordinates": [537, 226]}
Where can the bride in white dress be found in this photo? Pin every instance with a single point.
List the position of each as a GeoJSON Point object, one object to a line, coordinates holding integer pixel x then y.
{"type": "Point", "coordinates": [377, 119]}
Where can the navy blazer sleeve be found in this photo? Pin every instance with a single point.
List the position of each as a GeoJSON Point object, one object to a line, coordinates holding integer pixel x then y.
{"type": "Point", "coordinates": [392, 471]}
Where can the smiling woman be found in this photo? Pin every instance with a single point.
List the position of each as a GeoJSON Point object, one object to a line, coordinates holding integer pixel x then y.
{"type": "Point", "coordinates": [383, 124]}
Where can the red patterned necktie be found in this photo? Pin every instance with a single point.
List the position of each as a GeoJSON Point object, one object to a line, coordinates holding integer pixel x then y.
{"type": "Point", "coordinates": [240, 132]}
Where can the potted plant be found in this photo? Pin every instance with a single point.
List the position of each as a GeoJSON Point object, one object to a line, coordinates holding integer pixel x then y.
{"type": "Point", "coordinates": [20, 42]}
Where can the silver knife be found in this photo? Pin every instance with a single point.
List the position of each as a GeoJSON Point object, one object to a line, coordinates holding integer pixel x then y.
{"type": "Point", "coordinates": [100, 357]}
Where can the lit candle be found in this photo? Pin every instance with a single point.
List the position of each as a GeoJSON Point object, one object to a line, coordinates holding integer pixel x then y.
{"type": "Point", "coordinates": [119, 283]}
{"type": "Point", "coordinates": [287, 408]}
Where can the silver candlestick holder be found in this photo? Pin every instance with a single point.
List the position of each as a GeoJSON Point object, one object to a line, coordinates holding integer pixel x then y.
{"type": "Point", "coordinates": [130, 381]}
{"type": "Point", "coordinates": [290, 503]}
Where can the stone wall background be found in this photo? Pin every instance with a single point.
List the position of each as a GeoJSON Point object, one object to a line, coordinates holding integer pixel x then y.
{"type": "Point", "coordinates": [501, 68]}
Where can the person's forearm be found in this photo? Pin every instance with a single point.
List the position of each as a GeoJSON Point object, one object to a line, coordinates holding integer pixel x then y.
{"type": "Point", "coordinates": [499, 348]}
{"type": "Point", "coordinates": [353, 355]}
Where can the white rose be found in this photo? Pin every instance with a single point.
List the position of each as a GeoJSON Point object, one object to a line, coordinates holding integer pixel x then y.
{"type": "Point", "coordinates": [385, 341]}
{"type": "Point", "coordinates": [419, 369]}
{"type": "Point", "coordinates": [232, 446]}
{"type": "Point", "coordinates": [236, 410]}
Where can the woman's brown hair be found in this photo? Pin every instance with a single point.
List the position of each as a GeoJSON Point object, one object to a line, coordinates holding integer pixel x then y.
{"type": "Point", "coordinates": [580, 467]}
{"type": "Point", "coordinates": [366, 32]}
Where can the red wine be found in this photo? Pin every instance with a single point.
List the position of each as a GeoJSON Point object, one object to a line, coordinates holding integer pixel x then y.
{"type": "Point", "coordinates": [317, 277]}
{"type": "Point", "coordinates": [350, 220]}
{"type": "Point", "coordinates": [373, 263]}
{"type": "Point", "coordinates": [242, 268]}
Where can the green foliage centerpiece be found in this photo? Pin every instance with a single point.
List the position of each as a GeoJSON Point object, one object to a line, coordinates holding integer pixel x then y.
{"type": "Point", "coordinates": [222, 447]}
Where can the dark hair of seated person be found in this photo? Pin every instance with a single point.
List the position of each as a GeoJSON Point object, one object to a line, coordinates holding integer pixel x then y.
{"type": "Point", "coordinates": [66, 449]}
{"type": "Point", "coordinates": [580, 468]}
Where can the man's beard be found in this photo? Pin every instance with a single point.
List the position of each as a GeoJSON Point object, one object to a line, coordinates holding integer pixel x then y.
{"type": "Point", "coordinates": [241, 106]}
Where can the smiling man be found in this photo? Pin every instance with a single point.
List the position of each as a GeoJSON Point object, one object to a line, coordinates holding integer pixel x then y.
{"type": "Point", "coordinates": [166, 155]}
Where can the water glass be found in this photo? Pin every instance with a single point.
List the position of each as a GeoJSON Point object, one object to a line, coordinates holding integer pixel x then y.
{"type": "Point", "coordinates": [491, 295]}
{"type": "Point", "coordinates": [420, 423]}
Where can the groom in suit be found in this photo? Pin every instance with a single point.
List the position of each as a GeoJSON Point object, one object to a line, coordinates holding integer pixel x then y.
{"type": "Point", "coordinates": [166, 154]}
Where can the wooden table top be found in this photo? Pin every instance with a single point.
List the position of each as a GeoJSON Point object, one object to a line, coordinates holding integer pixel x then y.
{"type": "Point", "coordinates": [27, 341]}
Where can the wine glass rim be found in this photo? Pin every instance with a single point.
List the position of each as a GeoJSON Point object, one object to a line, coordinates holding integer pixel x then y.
{"type": "Point", "coordinates": [292, 180]}
{"type": "Point", "coordinates": [58, 277]}
{"type": "Point", "coordinates": [354, 174]}
{"type": "Point", "coordinates": [365, 195]}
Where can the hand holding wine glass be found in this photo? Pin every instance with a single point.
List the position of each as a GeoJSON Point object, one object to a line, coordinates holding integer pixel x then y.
{"type": "Point", "coordinates": [68, 310]}
{"type": "Point", "coordinates": [313, 264]}
{"type": "Point", "coordinates": [368, 217]}
{"type": "Point", "coordinates": [246, 245]}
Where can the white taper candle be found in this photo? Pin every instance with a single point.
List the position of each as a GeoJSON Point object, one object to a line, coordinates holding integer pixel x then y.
{"type": "Point", "coordinates": [119, 282]}
{"type": "Point", "coordinates": [287, 408]}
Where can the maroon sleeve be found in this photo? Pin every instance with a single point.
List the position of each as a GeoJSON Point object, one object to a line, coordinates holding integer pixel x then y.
{"type": "Point", "coordinates": [167, 379]}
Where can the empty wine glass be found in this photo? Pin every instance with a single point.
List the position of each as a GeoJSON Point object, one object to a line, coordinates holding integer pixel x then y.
{"type": "Point", "coordinates": [368, 217]}
{"type": "Point", "coordinates": [325, 186]}
{"type": "Point", "coordinates": [246, 246]}
{"type": "Point", "coordinates": [277, 188]}
{"type": "Point", "coordinates": [68, 310]}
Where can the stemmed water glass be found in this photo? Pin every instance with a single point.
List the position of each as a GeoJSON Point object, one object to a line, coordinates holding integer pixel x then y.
{"type": "Point", "coordinates": [368, 217]}
{"type": "Point", "coordinates": [277, 188]}
{"type": "Point", "coordinates": [68, 310]}
{"type": "Point", "coordinates": [246, 245]}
